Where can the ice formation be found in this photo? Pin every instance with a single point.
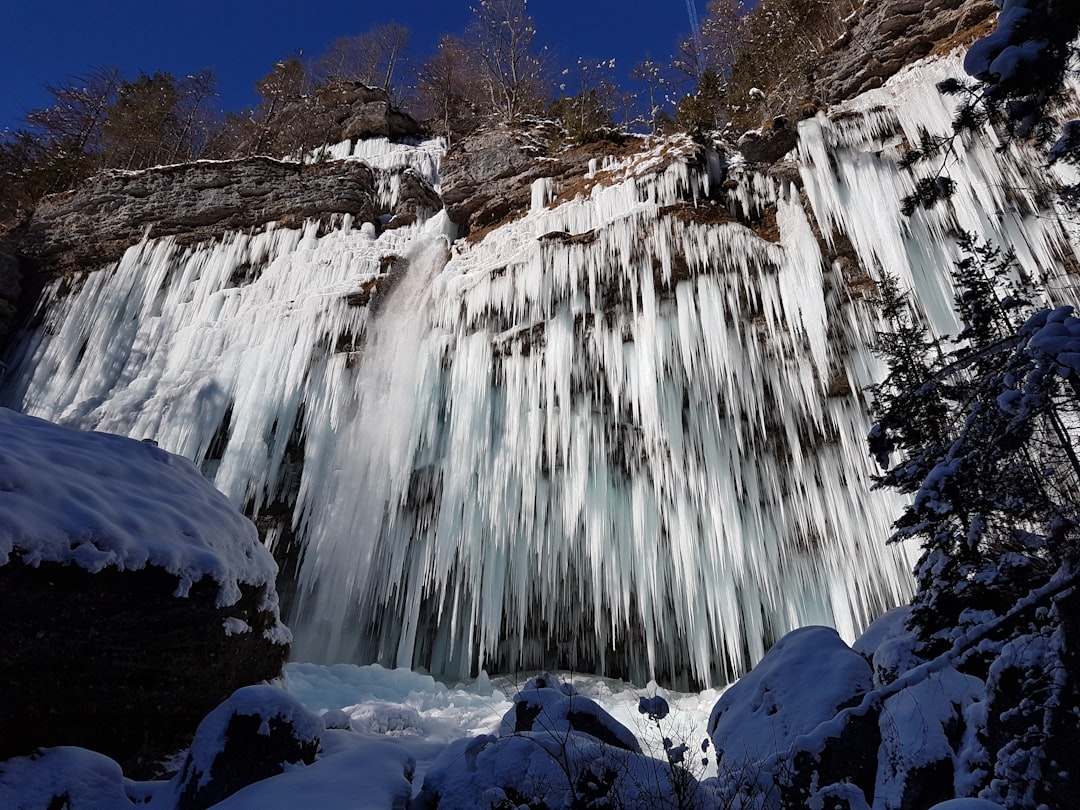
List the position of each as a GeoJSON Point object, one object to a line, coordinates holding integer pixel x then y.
{"type": "Point", "coordinates": [613, 436]}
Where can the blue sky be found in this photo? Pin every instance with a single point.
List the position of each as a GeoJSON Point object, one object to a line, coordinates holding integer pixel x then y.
{"type": "Point", "coordinates": [48, 41]}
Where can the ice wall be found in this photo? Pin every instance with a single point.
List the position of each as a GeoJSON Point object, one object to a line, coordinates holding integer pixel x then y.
{"type": "Point", "coordinates": [623, 434]}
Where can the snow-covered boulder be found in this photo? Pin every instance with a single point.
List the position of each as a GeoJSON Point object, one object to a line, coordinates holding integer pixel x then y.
{"type": "Point", "coordinates": [923, 733]}
{"type": "Point", "coordinates": [889, 645]}
{"type": "Point", "coordinates": [541, 769]}
{"type": "Point", "coordinates": [67, 777]}
{"type": "Point", "coordinates": [772, 728]}
{"type": "Point", "coordinates": [556, 748]}
{"type": "Point", "coordinates": [364, 774]}
{"type": "Point", "coordinates": [252, 736]}
{"type": "Point", "coordinates": [546, 705]}
{"type": "Point", "coordinates": [135, 597]}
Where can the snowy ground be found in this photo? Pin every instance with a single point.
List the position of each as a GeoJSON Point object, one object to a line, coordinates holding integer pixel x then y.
{"type": "Point", "coordinates": [422, 715]}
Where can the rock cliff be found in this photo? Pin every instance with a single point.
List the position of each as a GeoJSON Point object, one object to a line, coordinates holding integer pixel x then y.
{"type": "Point", "coordinates": [97, 222]}
{"type": "Point", "coordinates": [883, 37]}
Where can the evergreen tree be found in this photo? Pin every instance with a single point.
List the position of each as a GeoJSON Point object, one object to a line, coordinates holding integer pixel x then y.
{"type": "Point", "coordinates": [702, 112]}
{"type": "Point", "coordinates": [982, 433]}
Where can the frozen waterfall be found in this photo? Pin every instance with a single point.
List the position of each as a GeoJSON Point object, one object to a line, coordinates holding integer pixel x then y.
{"type": "Point", "coordinates": [616, 435]}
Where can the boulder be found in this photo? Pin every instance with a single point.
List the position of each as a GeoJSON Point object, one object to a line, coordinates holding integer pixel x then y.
{"type": "Point", "coordinates": [556, 748]}
{"type": "Point", "coordinates": [779, 720]}
{"type": "Point", "coordinates": [548, 705]}
{"type": "Point", "coordinates": [770, 143]}
{"type": "Point", "coordinates": [350, 110]}
{"type": "Point", "coordinates": [135, 597]}
{"type": "Point", "coordinates": [254, 735]}
{"type": "Point", "coordinates": [541, 769]}
{"type": "Point", "coordinates": [923, 729]}
{"type": "Point", "coordinates": [65, 778]}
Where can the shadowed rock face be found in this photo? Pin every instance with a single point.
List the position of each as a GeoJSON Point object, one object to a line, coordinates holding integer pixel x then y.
{"type": "Point", "coordinates": [884, 37]}
{"type": "Point", "coordinates": [10, 291]}
{"type": "Point", "coordinates": [97, 222]}
{"type": "Point", "coordinates": [115, 662]}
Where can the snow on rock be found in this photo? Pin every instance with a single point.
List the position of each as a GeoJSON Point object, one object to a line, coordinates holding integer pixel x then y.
{"type": "Point", "coordinates": [889, 645]}
{"type": "Point", "coordinates": [366, 775]}
{"type": "Point", "coordinates": [253, 735]}
{"type": "Point", "coordinates": [95, 500]}
{"type": "Point", "coordinates": [922, 727]}
{"type": "Point", "coordinates": [71, 778]}
{"type": "Point", "coordinates": [802, 682]}
{"type": "Point", "coordinates": [547, 770]}
{"type": "Point", "coordinates": [547, 705]}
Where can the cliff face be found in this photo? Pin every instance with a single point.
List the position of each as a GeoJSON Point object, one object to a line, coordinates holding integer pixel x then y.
{"type": "Point", "coordinates": [195, 202]}
{"type": "Point", "coordinates": [885, 36]}
{"type": "Point", "coordinates": [620, 427]}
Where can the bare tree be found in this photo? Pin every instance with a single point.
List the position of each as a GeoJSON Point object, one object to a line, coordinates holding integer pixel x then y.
{"type": "Point", "coordinates": [503, 32]}
{"type": "Point", "coordinates": [79, 108]}
{"type": "Point", "coordinates": [193, 116]}
{"type": "Point", "coordinates": [651, 74]}
{"type": "Point", "coordinates": [374, 58]}
{"type": "Point", "coordinates": [449, 88]}
{"type": "Point", "coordinates": [722, 34]}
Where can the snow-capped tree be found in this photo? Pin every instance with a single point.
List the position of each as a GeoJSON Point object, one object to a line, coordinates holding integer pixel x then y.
{"type": "Point", "coordinates": [983, 432]}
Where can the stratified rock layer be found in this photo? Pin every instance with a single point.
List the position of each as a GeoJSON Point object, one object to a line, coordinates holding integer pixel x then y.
{"type": "Point", "coordinates": [96, 223]}
{"type": "Point", "coordinates": [886, 36]}
{"type": "Point", "coordinates": [487, 177]}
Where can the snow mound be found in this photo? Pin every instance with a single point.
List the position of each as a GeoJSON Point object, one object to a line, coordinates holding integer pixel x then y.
{"type": "Point", "coordinates": [96, 500]}
{"type": "Point", "coordinates": [86, 780]}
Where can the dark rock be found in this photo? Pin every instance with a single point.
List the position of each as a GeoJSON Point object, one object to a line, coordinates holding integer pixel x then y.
{"type": "Point", "coordinates": [886, 36]}
{"type": "Point", "coordinates": [11, 289]}
{"type": "Point", "coordinates": [349, 110]}
{"type": "Point", "coordinates": [770, 143]}
{"type": "Point", "coordinates": [195, 202]}
{"type": "Point", "coordinates": [416, 199]}
{"type": "Point", "coordinates": [489, 174]}
{"type": "Point", "coordinates": [115, 662]}
{"type": "Point", "coordinates": [252, 736]}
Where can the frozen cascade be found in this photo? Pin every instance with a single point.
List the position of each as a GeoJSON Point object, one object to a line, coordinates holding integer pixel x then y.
{"type": "Point", "coordinates": [612, 436]}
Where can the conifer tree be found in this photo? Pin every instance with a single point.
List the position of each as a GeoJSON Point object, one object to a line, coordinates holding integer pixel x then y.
{"type": "Point", "coordinates": [983, 434]}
